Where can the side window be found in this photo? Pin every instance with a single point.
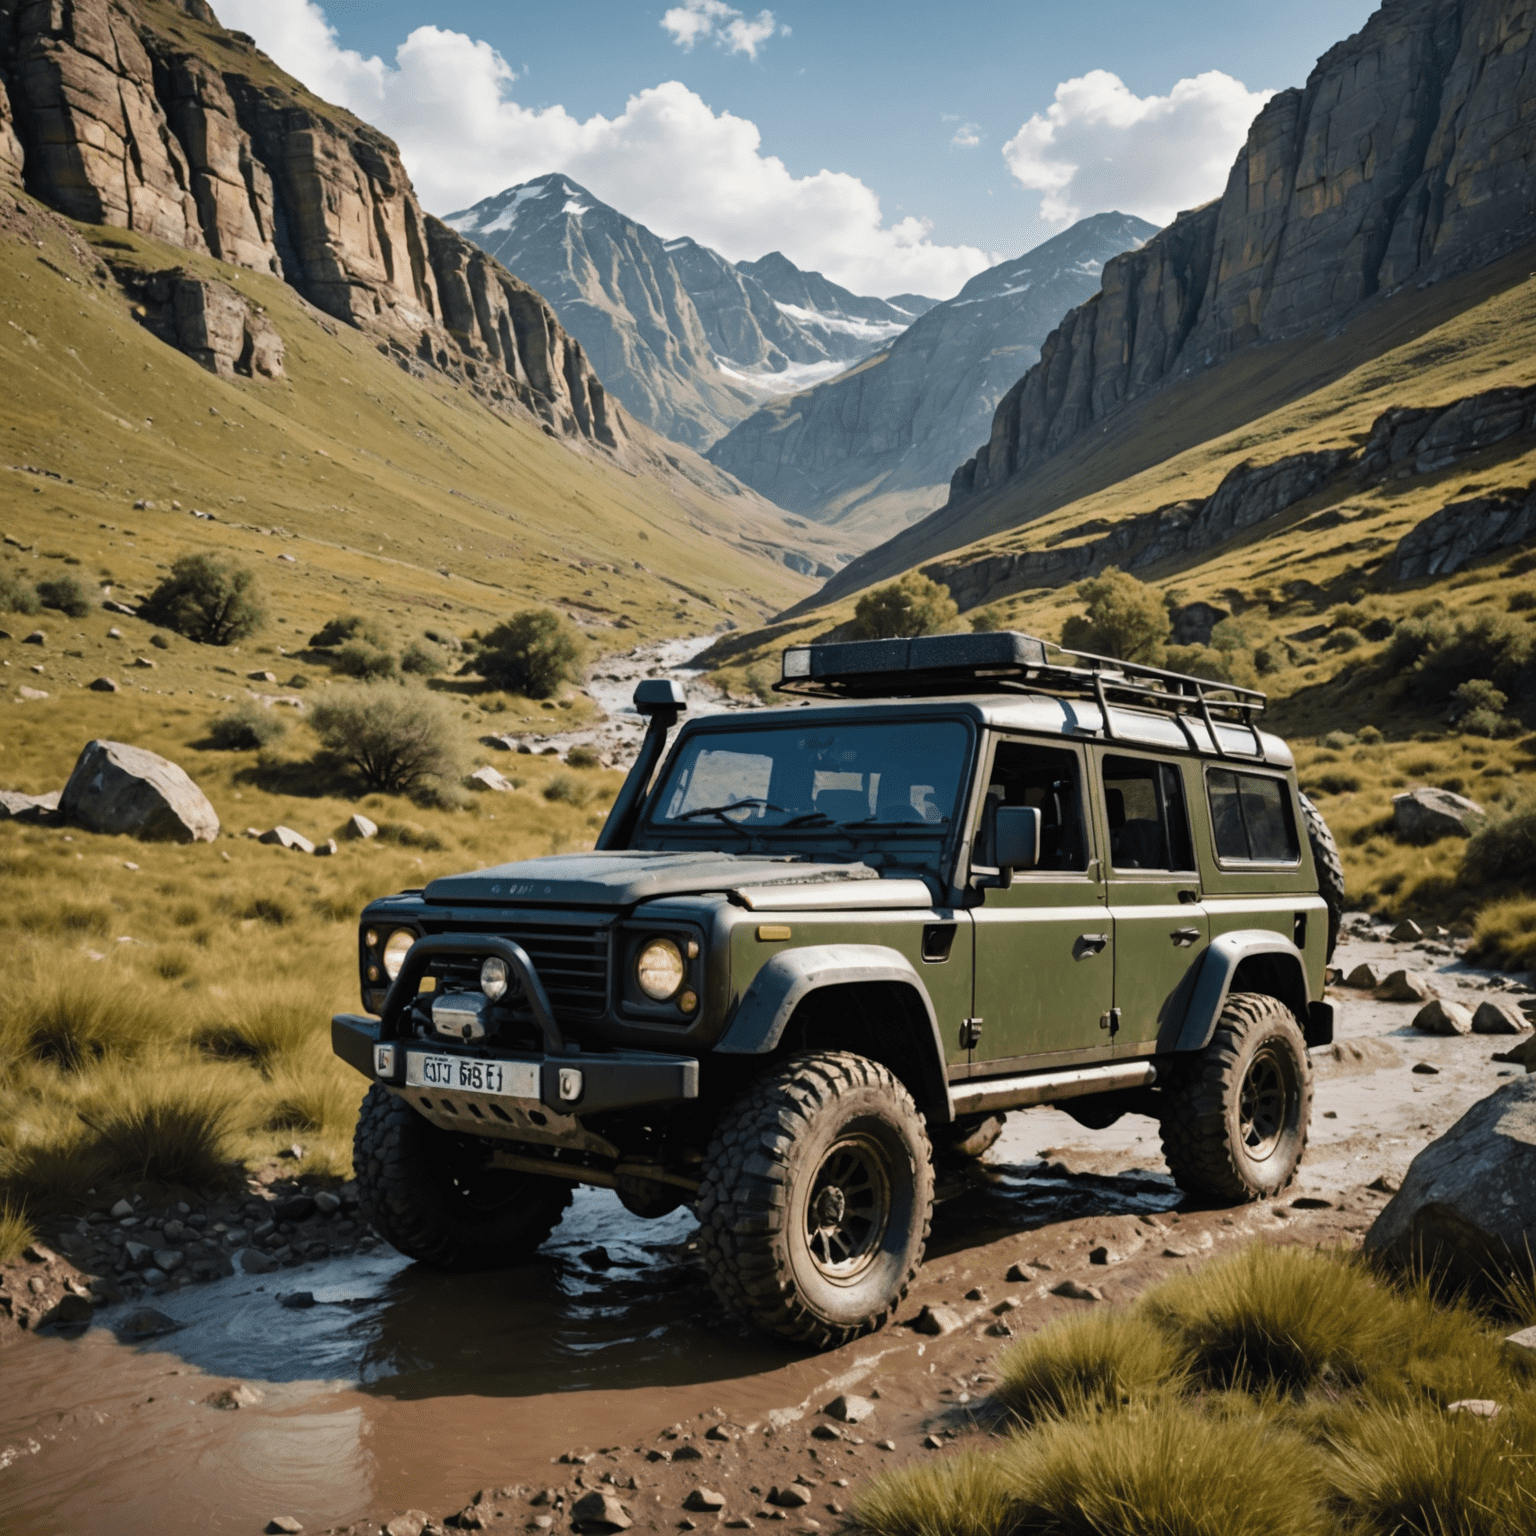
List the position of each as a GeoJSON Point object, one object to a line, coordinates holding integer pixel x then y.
{"type": "Point", "coordinates": [1148, 824]}
{"type": "Point", "coordinates": [1251, 817]}
{"type": "Point", "coordinates": [1048, 779]}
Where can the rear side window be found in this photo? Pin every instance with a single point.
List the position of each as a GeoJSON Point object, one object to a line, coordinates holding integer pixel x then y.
{"type": "Point", "coordinates": [1148, 828]}
{"type": "Point", "coordinates": [1251, 818]}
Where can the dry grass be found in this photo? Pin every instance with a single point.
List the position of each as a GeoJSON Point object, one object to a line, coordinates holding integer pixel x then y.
{"type": "Point", "coordinates": [1282, 1391]}
{"type": "Point", "coordinates": [15, 1231]}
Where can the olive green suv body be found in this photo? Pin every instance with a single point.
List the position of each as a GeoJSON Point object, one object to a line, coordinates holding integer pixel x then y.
{"type": "Point", "coordinates": [819, 946]}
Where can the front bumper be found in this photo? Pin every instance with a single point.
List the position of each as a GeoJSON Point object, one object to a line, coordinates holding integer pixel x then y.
{"type": "Point", "coordinates": [609, 1080]}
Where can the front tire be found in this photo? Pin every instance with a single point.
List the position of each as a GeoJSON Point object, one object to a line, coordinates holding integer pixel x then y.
{"type": "Point", "coordinates": [429, 1193]}
{"type": "Point", "coordinates": [816, 1199]}
{"type": "Point", "coordinates": [1235, 1115]}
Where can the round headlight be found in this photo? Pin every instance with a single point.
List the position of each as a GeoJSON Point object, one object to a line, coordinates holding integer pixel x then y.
{"type": "Point", "coordinates": [394, 951]}
{"type": "Point", "coordinates": [659, 969]}
{"type": "Point", "coordinates": [494, 977]}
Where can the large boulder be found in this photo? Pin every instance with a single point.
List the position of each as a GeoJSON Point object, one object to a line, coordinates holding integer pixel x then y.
{"type": "Point", "coordinates": [1421, 815]}
{"type": "Point", "coordinates": [1468, 1204]}
{"type": "Point", "coordinates": [118, 788]}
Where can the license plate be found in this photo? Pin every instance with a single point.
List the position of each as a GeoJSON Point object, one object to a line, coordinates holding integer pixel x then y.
{"type": "Point", "coordinates": [511, 1079]}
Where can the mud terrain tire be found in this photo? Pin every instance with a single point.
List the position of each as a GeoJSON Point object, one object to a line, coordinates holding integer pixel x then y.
{"type": "Point", "coordinates": [1330, 867]}
{"type": "Point", "coordinates": [427, 1193]}
{"type": "Point", "coordinates": [1235, 1115]}
{"type": "Point", "coordinates": [816, 1200]}
{"type": "Point", "coordinates": [965, 1139]}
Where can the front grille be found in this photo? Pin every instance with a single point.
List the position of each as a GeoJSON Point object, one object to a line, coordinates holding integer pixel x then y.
{"type": "Point", "coordinates": [571, 959]}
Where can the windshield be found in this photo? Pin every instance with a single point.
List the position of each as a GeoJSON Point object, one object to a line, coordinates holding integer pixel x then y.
{"type": "Point", "coordinates": [884, 775]}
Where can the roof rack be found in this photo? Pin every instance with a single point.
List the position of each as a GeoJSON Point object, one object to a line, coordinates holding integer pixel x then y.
{"type": "Point", "coordinates": [1005, 661]}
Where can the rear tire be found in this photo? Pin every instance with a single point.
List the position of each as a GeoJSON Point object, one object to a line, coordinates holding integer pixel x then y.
{"type": "Point", "coordinates": [429, 1194]}
{"type": "Point", "coordinates": [1330, 868]}
{"type": "Point", "coordinates": [1235, 1115]}
{"type": "Point", "coordinates": [817, 1194]}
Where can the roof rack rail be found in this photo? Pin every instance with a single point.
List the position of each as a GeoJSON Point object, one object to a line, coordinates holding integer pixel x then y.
{"type": "Point", "coordinates": [1005, 661]}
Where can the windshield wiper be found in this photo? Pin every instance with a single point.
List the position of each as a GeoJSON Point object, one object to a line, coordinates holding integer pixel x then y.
{"type": "Point", "coordinates": [719, 812]}
{"type": "Point", "coordinates": [809, 819]}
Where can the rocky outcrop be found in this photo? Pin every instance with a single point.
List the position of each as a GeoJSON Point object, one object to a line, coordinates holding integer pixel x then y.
{"type": "Point", "coordinates": [688, 341]}
{"type": "Point", "coordinates": [209, 321]}
{"type": "Point", "coordinates": [132, 115]}
{"type": "Point", "coordinates": [1467, 1207]}
{"type": "Point", "coordinates": [1425, 814]}
{"type": "Point", "coordinates": [888, 434]}
{"type": "Point", "coordinates": [117, 788]}
{"type": "Point", "coordinates": [1418, 440]}
{"type": "Point", "coordinates": [10, 145]}
{"type": "Point", "coordinates": [1462, 532]}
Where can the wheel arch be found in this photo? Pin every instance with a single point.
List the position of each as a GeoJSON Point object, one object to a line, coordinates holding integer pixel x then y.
{"type": "Point", "coordinates": [865, 998]}
{"type": "Point", "coordinates": [1250, 960]}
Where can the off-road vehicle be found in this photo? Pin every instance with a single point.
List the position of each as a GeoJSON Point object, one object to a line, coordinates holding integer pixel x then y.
{"type": "Point", "coordinates": [820, 945]}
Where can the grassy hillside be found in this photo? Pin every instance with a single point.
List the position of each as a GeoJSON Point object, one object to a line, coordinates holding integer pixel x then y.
{"type": "Point", "coordinates": [1287, 579]}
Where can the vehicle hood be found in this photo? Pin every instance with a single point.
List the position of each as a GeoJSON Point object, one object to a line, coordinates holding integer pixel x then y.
{"type": "Point", "coordinates": [627, 876]}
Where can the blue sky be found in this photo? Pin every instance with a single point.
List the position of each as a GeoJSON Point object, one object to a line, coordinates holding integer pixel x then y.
{"type": "Point", "coordinates": [894, 145]}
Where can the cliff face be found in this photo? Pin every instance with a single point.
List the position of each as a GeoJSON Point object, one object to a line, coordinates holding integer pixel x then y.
{"type": "Point", "coordinates": [146, 115]}
{"type": "Point", "coordinates": [1410, 155]}
{"type": "Point", "coordinates": [876, 445]}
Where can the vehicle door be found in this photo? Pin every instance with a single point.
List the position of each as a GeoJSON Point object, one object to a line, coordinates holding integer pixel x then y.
{"type": "Point", "coordinates": [1159, 923]}
{"type": "Point", "coordinates": [1044, 960]}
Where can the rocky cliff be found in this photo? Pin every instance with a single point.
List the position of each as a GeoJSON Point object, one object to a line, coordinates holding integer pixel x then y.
{"type": "Point", "coordinates": [877, 444]}
{"type": "Point", "coordinates": [149, 116]}
{"type": "Point", "coordinates": [688, 341]}
{"type": "Point", "coordinates": [1409, 156]}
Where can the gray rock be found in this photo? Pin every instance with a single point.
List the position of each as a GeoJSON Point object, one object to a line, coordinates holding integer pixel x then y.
{"type": "Point", "coordinates": [326, 849]}
{"type": "Point", "coordinates": [358, 828]}
{"type": "Point", "coordinates": [704, 1499]}
{"type": "Point", "coordinates": [30, 808]}
{"type": "Point", "coordinates": [1499, 1016]}
{"type": "Point", "coordinates": [327, 1203]}
{"type": "Point", "coordinates": [849, 1409]}
{"type": "Point", "coordinates": [600, 1511]}
{"type": "Point", "coordinates": [488, 778]}
{"type": "Point", "coordinates": [1475, 1407]}
{"type": "Point", "coordinates": [116, 788]}
{"type": "Point", "coordinates": [121, 1209]}
{"type": "Point", "coordinates": [70, 1311]}
{"type": "Point", "coordinates": [286, 837]}
{"type": "Point", "coordinates": [1406, 932]}
{"type": "Point", "coordinates": [37, 637]}
{"type": "Point", "coordinates": [1424, 814]}
{"type": "Point", "coordinates": [145, 1323]}
{"type": "Point", "coordinates": [1468, 1203]}
{"type": "Point", "coordinates": [1521, 1347]}
{"type": "Point", "coordinates": [1019, 1274]}
{"type": "Point", "coordinates": [138, 1255]}
{"type": "Point", "coordinates": [262, 677]}
{"type": "Point", "coordinates": [1075, 1292]}
{"type": "Point", "coordinates": [283, 1525]}
{"type": "Point", "coordinates": [102, 685]}
{"type": "Point", "coordinates": [1367, 976]}
{"type": "Point", "coordinates": [1461, 532]}
{"type": "Point", "coordinates": [412, 1523]}
{"type": "Point", "coordinates": [1439, 1017]}
{"type": "Point", "coordinates": [32, 694]}
{"type": "Point", "coordinates": [790, 1496]}
{"type": "Point", "coordinates": [1522, 1055]}
{"type": "Point", "coordinates": [169, 1259]}
{"type": "Point", "coordinates": [154, 1277]}
{"type": "Point", "coordinates": [935, 1320]}
{"type": "Point", "coordinates": [253, 1261]}
{"type": "Point", "coordinates": [1406, 987]}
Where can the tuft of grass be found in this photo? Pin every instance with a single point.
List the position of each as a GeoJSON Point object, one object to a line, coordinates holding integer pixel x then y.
{"type": "Point", "coordinates": [1425, 1472]}
{"type": "Point", "coordinates": [15, 1231]}
{"type": "Point", "coordinates": [1098, 1361]}
{"type": "Point", "coordinates": [82, 1018]}
{"type": "Point", "coordinates": [1505, 934]}
{"type": "Point", "coordinates": [264, 1026]}
{"type": "Point", "coordinates": [1275, 1317]}
{"type": "Point", "coordinates": [407, 834]}
{"type": "Point", "coordinates": [567, 789]}
{"type": "Point", "coordinates": [965, 1495]}
{"type": "Point", "coordinates": [169, 1128]}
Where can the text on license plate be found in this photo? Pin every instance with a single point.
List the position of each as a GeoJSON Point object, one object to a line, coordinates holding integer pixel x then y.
{"type": "Point", "coordinates": [516, 1079]}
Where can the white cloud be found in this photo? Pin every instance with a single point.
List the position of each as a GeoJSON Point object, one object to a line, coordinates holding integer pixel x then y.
{"type": "Point", "coordinates": [667, 159]}
{"type": "Point", "coordinates": [736, 33]}
{"type": "Point", "coordinates": [967, 136]}
{"type": "Point", "coordinates": [1099, 146]}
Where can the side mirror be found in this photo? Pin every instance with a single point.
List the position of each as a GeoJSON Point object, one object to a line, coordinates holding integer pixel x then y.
{"type": "Point", "coordinates": [653, 695]}
{"type": "Point", "coordinates": [1018, 837]}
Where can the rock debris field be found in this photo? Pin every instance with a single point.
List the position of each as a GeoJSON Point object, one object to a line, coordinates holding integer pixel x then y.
{"type": "Point", "coordinates": [289, 1373]}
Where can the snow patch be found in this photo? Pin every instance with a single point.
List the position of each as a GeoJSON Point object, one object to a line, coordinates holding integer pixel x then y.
{"type": "Point", "coordinates": [506, 216]}
{"type": "Point", "coordinates": [575, 208]}
{"type": "Point", "coordinates": [876, 331]}
{"type": "Point", "coordinates": [788, 381]}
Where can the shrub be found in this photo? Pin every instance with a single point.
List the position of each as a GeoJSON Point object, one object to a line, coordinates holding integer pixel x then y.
{"type": "Point", "coordinates": [1522, 601]}
{"type": "Point", "coordinates": [583, 757]}
{"type": "Point", "coordinates": [1344, 640]}
{"type": "Point", "coordinates": [396, 737]}
{"type": "Point", "coordinates": [1229, 635]}
{"type": "Point", "coordinates": [1337, 741]}
{"type": "Point", "coordinates": [533, 653]}
{"type": "Point", "coordinates": [245, 728]}
{"type": "Point", "coordinates": [418, 661]}
{"type": "Point", "coordinates": [914, 605]}
{"type": "Point", "coordinates": [349, 626]}
{"type": "Point", "coordinates": [1477, 707]}
{"type": "Point", "coordinates": [1342, 782]}
{"type": "Point", "coordinates": [567, 789]}
{"type": "Point", "coordinates": [1097, 1361]}
{"type": "Point", "coordinates": [18, 595]}
{"type": "Point", "coordinates": [1217, 665]}
{"type": "Point", "coordinates": [988, 620]}
{"type": "Point", "coordinates": [1504, 848]}
{"type": "Point", "coordinates": [1369, 736]}
{"type": "Point", "coordinates": [1488, 645]}
{"type": "Point", "coordinates": [262, 1027]}
{"type": "Point", "coordinates": [1414, 637]}
{"type": "Point", "coordinates": [364, 660]}
{"type": "Point", "coordinates": [65, 594]}
{"type": "Point", "coordinates": [1124, 618]}
{"type": "Point", "coordinates": [206, 600]}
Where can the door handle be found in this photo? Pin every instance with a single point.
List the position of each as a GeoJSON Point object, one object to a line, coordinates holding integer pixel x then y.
{"type": "Point", "coordinates": [1184, 937]}
{"type": "Point", "coordinates": [1089, 944]}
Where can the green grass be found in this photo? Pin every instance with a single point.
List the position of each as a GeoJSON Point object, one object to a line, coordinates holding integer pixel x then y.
{"type": "Point", "coordinates": [1280, 1393]}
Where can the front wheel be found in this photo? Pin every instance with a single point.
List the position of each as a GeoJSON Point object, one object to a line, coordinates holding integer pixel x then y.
{"type": "Point", "coordinates": [1235, 1116]}
{"type": "Point", "coordinates": [816, 1199]}
{"type": "Point", "coordinates": [432, 1195]}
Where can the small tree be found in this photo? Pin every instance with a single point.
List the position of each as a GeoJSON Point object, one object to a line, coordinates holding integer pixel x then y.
{"type": "Point", "coordinates": [914, 605]}
{"type": "Point", "coordinates": [398, 738]}
{"type": "Point", "coordinates": [206, 600]}
{"type": "Point", "coordinates": [364, 660]}
{"type": "Point", "coordinates": [533, 653]}
{"type": "Point", "coordinates": [1125, 618]}
{"type": "Point", "coordinates": [65, 594]}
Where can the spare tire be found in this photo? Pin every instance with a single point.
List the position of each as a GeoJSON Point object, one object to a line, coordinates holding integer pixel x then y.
{"type": "Point", "coordinates": [1330, 868]}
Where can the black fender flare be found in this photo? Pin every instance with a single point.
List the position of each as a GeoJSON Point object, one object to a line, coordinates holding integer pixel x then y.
{"type": "Point", "coordinates": [792, 975]}
{"type": "Point", "coordinates": [1218, 969]}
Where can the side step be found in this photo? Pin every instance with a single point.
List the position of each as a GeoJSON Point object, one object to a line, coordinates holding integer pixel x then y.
{"type": "Point", "coordinates": [1045, 1087]}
